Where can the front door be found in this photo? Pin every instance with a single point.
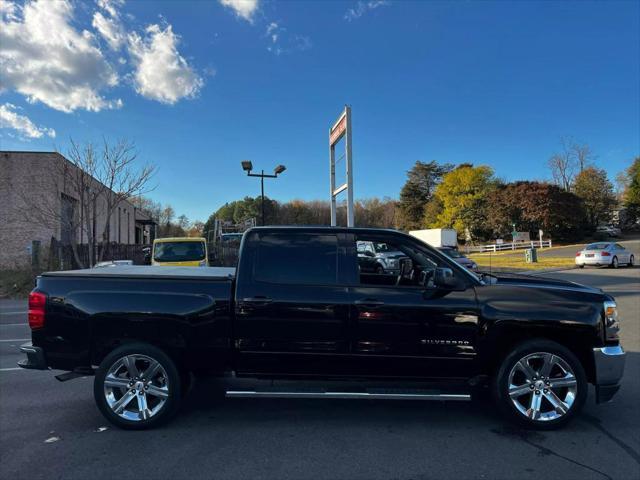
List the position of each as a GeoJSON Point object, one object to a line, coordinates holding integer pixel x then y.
{"type": "Point", "coordinates": [292, 313]}
{"type": "Point", "coordinates": [402, 325]}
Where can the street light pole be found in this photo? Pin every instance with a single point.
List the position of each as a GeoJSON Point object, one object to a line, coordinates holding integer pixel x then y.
{"type": "Point", "coordinates": [247, 166]}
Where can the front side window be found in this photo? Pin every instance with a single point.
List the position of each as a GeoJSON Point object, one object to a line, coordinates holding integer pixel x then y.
{"type": "Point", "coordinates": [178, 251]}
{"type": "Point", "coordinates": [297, 259]}
{"type": "Point", "coordinates": [397, 263]}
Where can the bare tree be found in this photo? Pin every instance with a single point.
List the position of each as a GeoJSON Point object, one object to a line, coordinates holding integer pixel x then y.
{"type": "Point", "coordinates": [583, 155]}
{"type": "Point", "coordinates": [563, 165]}
{"type": "Point", "coordinates": [92, 184]}
{"type": "Point", "coordinates": [572, 159]}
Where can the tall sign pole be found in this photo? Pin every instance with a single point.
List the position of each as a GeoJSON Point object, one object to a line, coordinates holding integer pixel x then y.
{"type": "Point", "coordinates": [340, 129]}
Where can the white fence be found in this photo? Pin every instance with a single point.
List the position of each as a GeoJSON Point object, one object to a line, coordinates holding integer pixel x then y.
{"type": "Point", "coordinates": [498, 247]}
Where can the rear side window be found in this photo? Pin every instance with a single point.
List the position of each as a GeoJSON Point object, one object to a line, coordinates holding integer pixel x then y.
{"type": "Point", "coordinates": [297, 259]}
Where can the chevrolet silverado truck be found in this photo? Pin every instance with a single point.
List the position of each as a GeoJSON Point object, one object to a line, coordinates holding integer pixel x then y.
{"type": "Point", "coordinates": [299, 312]}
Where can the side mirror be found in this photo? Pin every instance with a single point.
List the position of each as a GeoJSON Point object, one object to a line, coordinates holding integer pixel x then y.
{"type": "Point", "coordinates": [444, 278]}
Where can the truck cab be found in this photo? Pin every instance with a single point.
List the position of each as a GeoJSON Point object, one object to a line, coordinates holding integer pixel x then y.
{"type": "Point", "coordinates": [180, 252]}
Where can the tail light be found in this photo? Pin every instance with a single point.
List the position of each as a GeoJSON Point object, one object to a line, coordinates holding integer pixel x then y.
{"type": "Point", "coordinates": [37, 301]}
{"type": "Point", "coordinates": [605, 254]}
{"type": "Point", "coordinates": [578, 254]}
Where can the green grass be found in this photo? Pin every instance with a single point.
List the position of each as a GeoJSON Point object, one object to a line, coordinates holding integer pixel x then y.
{"type": "Point", "coordinates": [485, 261]}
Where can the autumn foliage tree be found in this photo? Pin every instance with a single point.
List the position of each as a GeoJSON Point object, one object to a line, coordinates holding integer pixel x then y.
{"type": "Point", "coordinates": [596, 192]}
{"type": "Point", "coordinates": [631, 193]}
{"type": "Point", "coordinates": [463, 195]}
{"type": "Point", "coordinates": [370, 212]}
{"type": "Point", "coordinates": [532, 206]}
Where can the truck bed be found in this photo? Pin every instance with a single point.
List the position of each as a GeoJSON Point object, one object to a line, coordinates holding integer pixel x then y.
{"type": "Point", "coordinates": [145, 271]}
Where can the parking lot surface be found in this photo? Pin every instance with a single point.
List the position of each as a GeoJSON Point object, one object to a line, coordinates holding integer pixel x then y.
{"type": "Point", "coordinates": [53, 430]}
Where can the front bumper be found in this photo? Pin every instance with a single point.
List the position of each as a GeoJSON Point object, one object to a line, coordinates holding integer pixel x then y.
{"type": "Point", "coordinates": [35, 358]}
{"type": "Point", "coordinates": [609, 363]}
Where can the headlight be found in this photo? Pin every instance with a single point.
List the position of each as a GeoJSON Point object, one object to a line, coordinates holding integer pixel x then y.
{"type": "Point", "coordinates": [391, 263]}
{"type": "Point", "coordinates": [611, 322]}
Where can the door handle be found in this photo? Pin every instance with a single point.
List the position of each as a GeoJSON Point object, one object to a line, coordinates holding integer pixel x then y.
{"type": "Point", "coordinates": [369, 302]}
{"type": "Point", "coordinates": [259, 300]}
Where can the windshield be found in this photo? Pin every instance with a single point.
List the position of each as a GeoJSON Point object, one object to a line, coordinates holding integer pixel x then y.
{"type": "Point", "coordinates": [231, 237]}
{"type": "Point", "coordinates": [452, 253]}
{"type": "Point", "coordinates": [178, 251]}
{"type": "Point", "coordinates": [382, 247]}
{"type": "Point", "coordinates": [597, 246]}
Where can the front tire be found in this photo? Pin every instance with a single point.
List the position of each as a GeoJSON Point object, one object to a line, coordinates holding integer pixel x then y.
{"type": "Point", "coordinates": [540, 385]}
{"type": "Point", "coordinates": [137, 386]}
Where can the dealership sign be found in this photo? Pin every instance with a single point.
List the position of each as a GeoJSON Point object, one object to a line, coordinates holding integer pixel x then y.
{"type": "Point", "coordinates": [341, 129]}
{"type": "Point", "coordinates": [338, 130]}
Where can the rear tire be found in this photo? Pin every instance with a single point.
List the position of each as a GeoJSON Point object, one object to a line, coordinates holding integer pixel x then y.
{"type": "Point", "coordinates": [540, 385]}
{"type": "Point", "coordinates": [137, 386]}
{"type": "Point", "coordinates": [614, 262]}
{"type": "Point", "coordinates": [631, 261]}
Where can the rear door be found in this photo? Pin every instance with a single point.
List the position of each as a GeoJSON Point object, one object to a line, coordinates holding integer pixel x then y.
{"type": "Point", "coordinates": [291, 305]}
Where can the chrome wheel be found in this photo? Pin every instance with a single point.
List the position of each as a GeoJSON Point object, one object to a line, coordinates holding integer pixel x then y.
{"type": "Point", "coordinates": [542, 386]}
{"type": "Point", "coordinates": [136, 387]}
{"type": "Point", "coordinates": [631, 260]}
{"type": "Point", "coordinates": [614, 262]}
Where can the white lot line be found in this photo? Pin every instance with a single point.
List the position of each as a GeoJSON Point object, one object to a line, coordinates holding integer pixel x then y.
{"type": "Point", "coordinates": [13, 324]}
{"type": "Point", "coordinates": [16, 340]}
{"type": "Point", "coordinates": [10, 369]}
{"type": "Point", "coordinates": [2, 312]}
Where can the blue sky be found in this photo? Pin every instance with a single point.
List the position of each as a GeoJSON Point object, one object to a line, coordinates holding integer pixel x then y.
{"type": "Point", "coordinates": [200, 86]}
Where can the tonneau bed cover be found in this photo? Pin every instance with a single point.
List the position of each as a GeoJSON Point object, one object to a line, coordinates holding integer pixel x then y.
{"type": "Point", "coordinates": [145, 271]}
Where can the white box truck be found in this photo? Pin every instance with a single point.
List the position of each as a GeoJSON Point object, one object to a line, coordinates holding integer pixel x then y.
{"type": "Point", "coordinates": [437, 237]}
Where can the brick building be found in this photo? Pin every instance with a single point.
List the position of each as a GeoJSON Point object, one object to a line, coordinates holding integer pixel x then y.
{"type": "Point", "coordinates": [37, 203]}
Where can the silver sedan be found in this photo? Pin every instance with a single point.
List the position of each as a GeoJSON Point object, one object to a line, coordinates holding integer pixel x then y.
{"type": "Point", "coordinates": [604, 253]}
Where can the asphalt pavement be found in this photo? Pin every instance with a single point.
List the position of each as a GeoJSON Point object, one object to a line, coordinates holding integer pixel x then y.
{"type": "Point", "coordinates": [53, 430]}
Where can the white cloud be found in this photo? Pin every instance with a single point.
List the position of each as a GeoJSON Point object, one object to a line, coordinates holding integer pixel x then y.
{"type": "Point", "coordinates": [109, 26]}
{"type": "Point", "coordinates": [47, 60]}
{"type": "Point", "coordinates": [363, 7]}
{"type": "Point", "coordinates": [243, 8]}
{"type": "Point", "coordinates": [161, 73]}
{"type": "Point", "coordinates": [110, 6]}
{"type": "Point", "coordinates": [9, 118]}
{"type": "Point", "coordinates": [282, 42]}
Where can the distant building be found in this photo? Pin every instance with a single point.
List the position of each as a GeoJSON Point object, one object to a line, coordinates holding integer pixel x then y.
{"type": "Point", "coordinates": [36, 203]}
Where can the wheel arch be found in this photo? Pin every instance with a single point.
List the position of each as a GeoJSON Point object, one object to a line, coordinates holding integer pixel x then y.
{"type": "Point", "coordinates": [504, 340]}
{"type": "Point", "coordinates": [120, 333]}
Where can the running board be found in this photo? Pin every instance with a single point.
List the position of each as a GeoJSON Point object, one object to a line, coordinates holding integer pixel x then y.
{"type": "Point", "coordinates": [349, 395]}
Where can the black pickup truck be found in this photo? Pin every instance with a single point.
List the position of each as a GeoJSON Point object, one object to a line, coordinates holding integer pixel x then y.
{"type": "Point", "coordinates": [298, 310]}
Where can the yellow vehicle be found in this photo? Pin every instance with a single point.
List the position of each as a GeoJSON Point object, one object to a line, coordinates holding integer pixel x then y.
{"type": "Point", "coordinates": [180, 252]}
